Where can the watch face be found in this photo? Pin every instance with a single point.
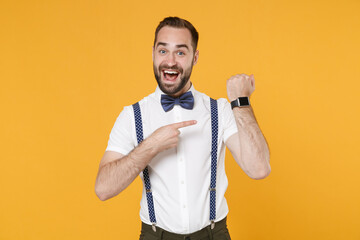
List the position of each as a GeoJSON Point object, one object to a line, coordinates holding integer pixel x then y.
{"type": "Point", "coordinates": [240, 102]}
{"type": "Point", "coordinates": [244, 101]}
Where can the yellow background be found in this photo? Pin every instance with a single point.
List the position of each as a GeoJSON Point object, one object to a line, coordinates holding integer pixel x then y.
{"type": "Point", "coordinates": [67, 68]}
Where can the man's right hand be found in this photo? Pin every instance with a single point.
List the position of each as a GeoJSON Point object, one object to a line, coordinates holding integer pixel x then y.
{"type": "Point", "coordinates": [168, 136]}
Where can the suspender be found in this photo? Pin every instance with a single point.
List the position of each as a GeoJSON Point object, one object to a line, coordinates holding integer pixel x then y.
{"type": "Point", "coordinates": [212, 189]}
{"type": "Point", "coordinates": [214, 136]}
{"type": "Point", "coordinates": [140, 138]}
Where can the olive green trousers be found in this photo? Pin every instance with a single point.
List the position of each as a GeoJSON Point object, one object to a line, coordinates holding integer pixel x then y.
{"type": "Point", "coordinates": [220, 232]}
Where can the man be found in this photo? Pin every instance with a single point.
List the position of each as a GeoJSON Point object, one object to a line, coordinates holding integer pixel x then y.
{"type": "Point", "coordinates": [180, 146]}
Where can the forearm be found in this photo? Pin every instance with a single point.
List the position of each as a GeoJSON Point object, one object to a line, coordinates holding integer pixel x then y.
{"type": "Point", "coordinates": [115, 176]}
{"type": "Point", "coordinates": [254, 151]}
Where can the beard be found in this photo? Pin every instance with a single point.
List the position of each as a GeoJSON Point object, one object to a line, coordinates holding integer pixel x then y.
{"type": "Point", "coordinates": [171, 89]}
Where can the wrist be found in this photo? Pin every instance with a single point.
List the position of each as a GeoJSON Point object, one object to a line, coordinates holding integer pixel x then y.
{"type": "Point", "coordinates": [150, 148]}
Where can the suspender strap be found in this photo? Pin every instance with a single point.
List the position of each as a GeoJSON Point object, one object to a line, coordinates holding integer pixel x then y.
{"type": "Point", "coordinates": [140, 138]}
{"type": "Point", "coordinates": [214, 136]}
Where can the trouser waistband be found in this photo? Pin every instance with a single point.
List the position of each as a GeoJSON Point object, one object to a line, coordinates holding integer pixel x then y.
{"type": "Point", "coordinates": [203, 233]}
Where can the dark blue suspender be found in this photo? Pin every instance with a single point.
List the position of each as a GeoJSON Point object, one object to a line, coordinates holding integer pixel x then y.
{"type": "Point", "coordinates": [140, 138]}
{"type": "Point", "coordinates": [214, 138]}
{"type": "Point", "coordinates": [212, 189]}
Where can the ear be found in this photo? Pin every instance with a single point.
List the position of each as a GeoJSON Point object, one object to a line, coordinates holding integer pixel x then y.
{"type": "Point", "coordinates": [196, 57]}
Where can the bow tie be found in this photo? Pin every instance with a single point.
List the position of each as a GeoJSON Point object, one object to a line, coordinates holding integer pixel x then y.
{"type": "Point", "coordinates": [186, 101]}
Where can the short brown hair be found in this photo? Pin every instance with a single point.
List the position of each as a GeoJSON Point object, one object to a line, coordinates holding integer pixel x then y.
{"type": "Point", "coordinates": [177, 22]}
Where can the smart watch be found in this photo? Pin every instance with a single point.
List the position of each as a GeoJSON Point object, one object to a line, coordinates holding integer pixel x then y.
{"type": "Point", "coordinates": [240, 102]}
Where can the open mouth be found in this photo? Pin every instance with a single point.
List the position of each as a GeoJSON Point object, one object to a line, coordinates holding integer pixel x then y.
{"type": "Point", "coordinates": [170, 75]}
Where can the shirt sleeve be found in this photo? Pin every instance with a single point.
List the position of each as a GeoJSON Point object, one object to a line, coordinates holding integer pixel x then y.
{"type": "Point", "coordinates": [228, 120]}
{"type": "Point", "coordinates": [121, 138]}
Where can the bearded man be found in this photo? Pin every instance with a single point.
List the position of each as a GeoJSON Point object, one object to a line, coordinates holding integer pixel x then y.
{"type": "Point", "coordinates": [175, 139]}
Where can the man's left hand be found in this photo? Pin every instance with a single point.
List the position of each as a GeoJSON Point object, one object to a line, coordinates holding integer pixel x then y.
{"type": "Point", "coordinates": [240, 85]}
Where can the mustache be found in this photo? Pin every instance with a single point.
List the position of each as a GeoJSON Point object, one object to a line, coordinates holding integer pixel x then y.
{"type": "Point", "coordinates": [175, 67]}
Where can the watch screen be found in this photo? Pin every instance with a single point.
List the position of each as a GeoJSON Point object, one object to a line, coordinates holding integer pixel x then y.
{"type": "Point", "coordinates": [244, 101]}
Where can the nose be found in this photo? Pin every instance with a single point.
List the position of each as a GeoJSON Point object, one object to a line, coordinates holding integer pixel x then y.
{"type": "Point", "coordinates": [171, 60]}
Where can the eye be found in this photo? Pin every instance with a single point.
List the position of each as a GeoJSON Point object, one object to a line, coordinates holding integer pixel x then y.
{"type": "Point", "coordinates": [181, 53]}
{"type": "Point", "coordinates": [162, 51]}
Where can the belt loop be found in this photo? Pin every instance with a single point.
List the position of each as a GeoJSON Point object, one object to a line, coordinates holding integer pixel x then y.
{"type": "Point", "coordinates": [210, 232]}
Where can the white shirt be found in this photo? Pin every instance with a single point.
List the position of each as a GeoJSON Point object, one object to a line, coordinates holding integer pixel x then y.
{"type": "Point", "coordinates": [180, 177]}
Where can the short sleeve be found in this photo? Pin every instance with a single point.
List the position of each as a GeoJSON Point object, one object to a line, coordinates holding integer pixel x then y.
{"type": "Point", "coordinates": [228, 120]}
{"type": "Point", "coordinates": [121, 138]}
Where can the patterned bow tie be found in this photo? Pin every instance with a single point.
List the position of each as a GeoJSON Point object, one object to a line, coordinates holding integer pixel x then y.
{"type": "Point", "coordinates": [186, 101]}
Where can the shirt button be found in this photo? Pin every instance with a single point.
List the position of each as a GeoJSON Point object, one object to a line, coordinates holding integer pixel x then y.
{"type": "Point", "coordinates": [184, 206]}
{"type": "Point", "coordinates": [182, 182]}
{"type": "Point", "coordinates": [177, 118]}
{"type": "Point", "coordinates": [181, 159]}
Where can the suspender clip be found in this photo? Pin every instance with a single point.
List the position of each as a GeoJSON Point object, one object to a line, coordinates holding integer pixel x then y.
{"type": "Point", "coordinates": [212, 224]}
{"type": "Point", "coordinates": [154, 227]}
{"type": "Point", "coordinates": [212, 189]}
{"type": "Point", "coordinates": [148, 190]}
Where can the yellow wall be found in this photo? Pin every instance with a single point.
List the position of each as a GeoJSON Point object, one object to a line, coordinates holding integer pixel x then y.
{"type": "Point", "coordinates": [67, 68]}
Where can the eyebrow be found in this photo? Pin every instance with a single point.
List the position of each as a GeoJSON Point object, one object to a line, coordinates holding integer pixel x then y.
{"type": "Point", "coordinates": [178, 46]}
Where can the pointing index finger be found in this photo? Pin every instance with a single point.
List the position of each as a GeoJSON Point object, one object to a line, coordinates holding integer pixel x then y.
{"type": "Point", "coordinates": [184, 124]}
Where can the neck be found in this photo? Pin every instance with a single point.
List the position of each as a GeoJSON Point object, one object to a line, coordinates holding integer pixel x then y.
{"type": "Point", "coordinates": [182, 91]}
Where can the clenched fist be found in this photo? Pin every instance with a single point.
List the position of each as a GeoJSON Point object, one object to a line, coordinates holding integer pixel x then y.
{"type": "Point", "coordinates": [240, 85]}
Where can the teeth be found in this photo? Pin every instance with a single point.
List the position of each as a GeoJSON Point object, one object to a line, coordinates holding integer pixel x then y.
{"type": "Point", "coordinates": [170, 72]}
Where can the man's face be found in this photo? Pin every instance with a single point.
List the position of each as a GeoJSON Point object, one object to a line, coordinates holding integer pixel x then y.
{"type": "Point", "coordinates": [173, 58]}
